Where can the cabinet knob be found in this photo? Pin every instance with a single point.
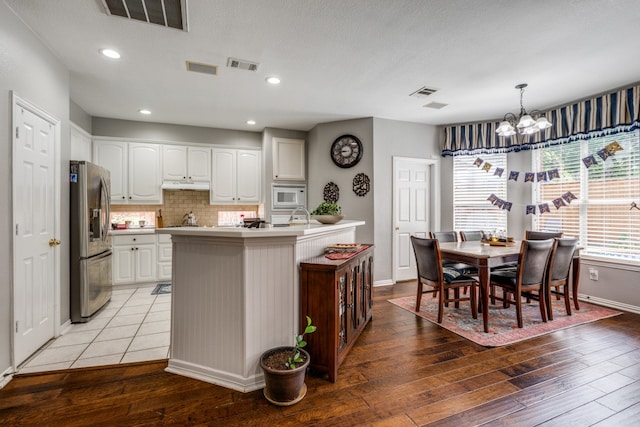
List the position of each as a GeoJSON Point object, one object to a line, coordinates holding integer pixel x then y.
{"type": "Point", "coordinates": [134, 239]}
{"type": "Point", "coordinates": [123, 197]}
{"type": "Point", "coordinates": [132, 249]}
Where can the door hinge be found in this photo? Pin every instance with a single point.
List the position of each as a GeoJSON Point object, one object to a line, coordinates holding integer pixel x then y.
{"type": "Point", "coordinates": [16, 326]}
{"type": "Point", "coordinates": [17, 132]}
{"type": "Point", "coordinates": [17, 229]}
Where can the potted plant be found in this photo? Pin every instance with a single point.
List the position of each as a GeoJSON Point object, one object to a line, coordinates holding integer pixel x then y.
{"type": "Point", "coordinates": [327, 213]}
{"type": "Point", "coordinates": [284, 370]}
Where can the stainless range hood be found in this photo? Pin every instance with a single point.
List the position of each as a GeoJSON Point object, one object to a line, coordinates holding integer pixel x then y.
{"type": "Point", "coordinates": [185, 185]}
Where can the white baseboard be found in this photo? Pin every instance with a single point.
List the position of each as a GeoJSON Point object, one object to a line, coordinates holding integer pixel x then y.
{"type": "Point", "coordinates": [7, 376]}
{"type": "Point", "coordinates": [214, 376]}
{"type": "Point", "coordinates": [64, 328]}
{"type": "Point", "coordinates": [383, 283]}
{"type": "Point", "coordinates": [609, 303]}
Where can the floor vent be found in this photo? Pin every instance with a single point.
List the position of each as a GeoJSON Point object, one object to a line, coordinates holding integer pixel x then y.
{"type": "Point", "coordinates": [168, 13]}
{"type": "Point", "coordinates": [197, 67]}
{"type": "Point", "coordinates": [241, 64]}
{"type": "Point", "coordinates": [424, 91]}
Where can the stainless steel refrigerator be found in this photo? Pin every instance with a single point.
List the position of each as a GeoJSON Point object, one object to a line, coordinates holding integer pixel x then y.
{"type": "Point", "coordinates": [91, 255]}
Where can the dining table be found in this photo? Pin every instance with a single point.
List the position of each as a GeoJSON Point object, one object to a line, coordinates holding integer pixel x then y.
{"type": "Point", "coordinates": [485, 256]}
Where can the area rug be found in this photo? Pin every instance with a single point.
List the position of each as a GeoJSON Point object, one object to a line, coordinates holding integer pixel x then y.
{"type": "Point", "coordinates": [503, 328]}
{"type": "Point", "coordinates": [163, 288]}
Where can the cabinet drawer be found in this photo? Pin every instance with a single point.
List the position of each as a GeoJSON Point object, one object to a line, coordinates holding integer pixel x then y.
{"type": "Point", "coordinates": [136, 239]}
{"type": "Point", "coordinates": [164, 238]}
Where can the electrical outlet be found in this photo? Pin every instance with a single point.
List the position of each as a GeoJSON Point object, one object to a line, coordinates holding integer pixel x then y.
{"type": "Point", "coordinates": [593, 274]}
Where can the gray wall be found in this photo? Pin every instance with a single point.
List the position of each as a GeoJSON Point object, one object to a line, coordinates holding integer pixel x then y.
{"type": "Point", "coordinates": [165, 132]}
{"type": "Point", "coordinates": [79, 117]}
{"type": "Point", "coordinates": [401, 139]}
{"type": "Point", "coordinates": [321, 170]}
{"type": "Point", "coordinates": [29, 69]}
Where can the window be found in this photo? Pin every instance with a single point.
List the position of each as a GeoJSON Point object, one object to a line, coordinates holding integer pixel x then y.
{"type": "Point", "coordinates": [601, 216]}
{"type": "Point", "coordinates": [471, 188]}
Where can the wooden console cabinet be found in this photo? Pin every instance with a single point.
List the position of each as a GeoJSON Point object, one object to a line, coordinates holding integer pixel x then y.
{"type": "Point", "coordinates": [337, 295]}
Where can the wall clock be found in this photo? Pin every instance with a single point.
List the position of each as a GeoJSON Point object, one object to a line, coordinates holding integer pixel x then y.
{"type": "Point", "coordinates": [346, 151]}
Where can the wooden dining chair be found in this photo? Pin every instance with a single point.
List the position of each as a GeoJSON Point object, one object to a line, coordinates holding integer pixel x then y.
{"type": "Point", "coordinates": [529, 278]}
{"type": "Point", "coordinates": [431, 273]}
{"type": "Point", "coordinates": [541, 235]}
{"type": "Point", "coordinates": [468, 236]}
{"type": "Point", "coordinates": [558, 280]}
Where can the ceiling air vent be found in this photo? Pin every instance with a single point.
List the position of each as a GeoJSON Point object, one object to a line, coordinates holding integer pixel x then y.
{"type": "Point", "coordinates": [424, 91]}
{"type": "Point", "coordinates": [435, 105]}
{"type": "Point", "coordinates": [197, 67]}
{"type": "Point", "coordinates": [168, 13]}
{"type": "Point", "coordinates": [242, 64]}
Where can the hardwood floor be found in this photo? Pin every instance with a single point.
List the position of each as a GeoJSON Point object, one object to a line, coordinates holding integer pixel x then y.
{"type": "Point", "coordinates": [403, 371]}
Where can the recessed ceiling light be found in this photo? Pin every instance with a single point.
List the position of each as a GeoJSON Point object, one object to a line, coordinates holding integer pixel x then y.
{"type": "Point", "coordinates": [273, 80]}
{"type": "Point", "coordinates": [251, 122]}
{"type": "Point", "coordinates": [144, 111]}
{"type": "Point", "coordinates": [110, 53]}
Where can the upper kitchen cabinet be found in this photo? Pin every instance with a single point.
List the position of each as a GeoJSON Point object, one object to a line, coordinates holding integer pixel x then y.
{"type": "Point", "coordinates": [135, 170]}
{"type": "Point", "coordinates": [288, 159]}
{"type": "Point", "coordinates": [182, 163]}
{"type": "Point", "coordinates": [80, 142]}
{"type": "Point", "coordinates": [236, 177]}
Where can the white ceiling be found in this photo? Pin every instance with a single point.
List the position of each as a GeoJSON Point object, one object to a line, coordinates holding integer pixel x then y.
{"type": "Point", "coordinates": [342, 59]}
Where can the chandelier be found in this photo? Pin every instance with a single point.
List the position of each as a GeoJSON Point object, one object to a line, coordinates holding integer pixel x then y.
{"type": "Point", "coordinates": [527, 123]}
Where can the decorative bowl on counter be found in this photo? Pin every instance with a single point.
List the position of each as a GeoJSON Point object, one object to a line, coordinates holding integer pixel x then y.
{"type": "Point", "coordinates": [328, 219]}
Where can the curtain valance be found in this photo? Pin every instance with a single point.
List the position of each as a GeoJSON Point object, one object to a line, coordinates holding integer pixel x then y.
{"type": "Point", "coordinates": [601, 115]}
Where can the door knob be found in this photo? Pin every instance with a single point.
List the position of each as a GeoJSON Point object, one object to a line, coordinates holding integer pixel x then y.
{"type": "Point", "coordinates": [54, 242]}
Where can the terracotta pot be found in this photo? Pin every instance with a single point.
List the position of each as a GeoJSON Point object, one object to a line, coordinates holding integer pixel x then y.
{"type": "Point", "coordinates": [284, 387]}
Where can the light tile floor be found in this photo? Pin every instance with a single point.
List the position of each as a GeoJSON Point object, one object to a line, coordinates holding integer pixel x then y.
{"type": "Point", "coordinates": [133, 326]}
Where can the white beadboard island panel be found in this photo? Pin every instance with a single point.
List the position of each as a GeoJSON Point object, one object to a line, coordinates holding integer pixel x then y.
{"type": "Point", "coordinates": [235, 294]}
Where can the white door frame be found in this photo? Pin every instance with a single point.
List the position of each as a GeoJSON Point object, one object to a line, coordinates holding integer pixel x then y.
{"type": "Point", "coordinates": [434, 214]}
{"type": "Point", "coordinates": [18, 102]}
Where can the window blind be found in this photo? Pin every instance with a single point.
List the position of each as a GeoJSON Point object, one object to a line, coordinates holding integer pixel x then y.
{"type": "Point", "coordinates": [471, 188]}
{"type": "Point", "coordinates": [601, 217]}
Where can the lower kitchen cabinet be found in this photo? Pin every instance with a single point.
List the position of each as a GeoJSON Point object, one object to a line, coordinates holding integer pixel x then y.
{"type": "Point", "coordinates": [337, 295]}
{"type": "Point", "coordinates": [134, 259]}
{"type": "Point", "coordinates": [164, 256]}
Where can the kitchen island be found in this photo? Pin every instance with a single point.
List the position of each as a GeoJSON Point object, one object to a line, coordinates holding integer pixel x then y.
{"type": "Point", "coordinates": [236, 293]}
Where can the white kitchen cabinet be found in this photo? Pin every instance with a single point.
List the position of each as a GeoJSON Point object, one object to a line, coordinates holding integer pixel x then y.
{"type": "Point", "coordinates": [113, 156]}
{"type": "Point", "coordinates": [182, 162]}
{"type": "Point", "coordinates": [134, 259]}
{"type": "Point", "coordinates": [135, 170]}
{"type": "Point", "coordinates": [80, 143]}
{"type": "Point", "coordinates": [164, 256]}
{"type": "Point", "coordinates": [288, 159]}
{"type": "Point", "coordinates": [236, 177]}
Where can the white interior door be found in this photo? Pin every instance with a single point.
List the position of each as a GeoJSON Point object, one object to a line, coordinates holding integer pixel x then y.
{"type": "Point", "coordinates": [414, 201]}
{"type": "Point", "coordinates": [35, 255]}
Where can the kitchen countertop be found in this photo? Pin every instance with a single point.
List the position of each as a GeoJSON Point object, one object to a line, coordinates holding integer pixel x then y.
{"type": "Point", "coordinates": [129, 231]}
{"type": "Point", "coordinates": [238, 232]}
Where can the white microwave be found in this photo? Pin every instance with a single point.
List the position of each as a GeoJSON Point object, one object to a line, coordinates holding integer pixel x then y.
{"type": "Point", "coordinates": [288, 196]}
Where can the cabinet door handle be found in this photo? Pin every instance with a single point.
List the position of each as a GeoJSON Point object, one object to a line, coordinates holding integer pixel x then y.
{"type": "Point", "coordinates": [132, 249]}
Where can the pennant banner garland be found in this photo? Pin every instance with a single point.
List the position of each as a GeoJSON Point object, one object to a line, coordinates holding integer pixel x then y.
{"type": "Point", "coordinates": [604, 154]}
{"type": "Point", "coordinates": [544, 176]}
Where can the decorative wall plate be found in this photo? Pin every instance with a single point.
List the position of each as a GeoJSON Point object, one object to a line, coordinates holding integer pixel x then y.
{"type": "Point", "coordinates": [361, 184]}
{"type": "Point", "coordinates": [331, 192]}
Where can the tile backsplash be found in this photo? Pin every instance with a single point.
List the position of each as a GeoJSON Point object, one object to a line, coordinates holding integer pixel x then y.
{"type": "Point", "coordinates": [176, 205]}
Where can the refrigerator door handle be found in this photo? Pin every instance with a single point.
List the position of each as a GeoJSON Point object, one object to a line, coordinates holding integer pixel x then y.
{"type": "Point", "coordinates": [104, 193]}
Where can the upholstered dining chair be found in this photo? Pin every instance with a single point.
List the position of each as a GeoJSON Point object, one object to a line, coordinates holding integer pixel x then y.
{"type": "Point", "coordinates": [468, 236]}
{"type": "Point", "coordinates": [433, 274]}
{"type": "Point", "coordinates": [530, 276]}
{"type": "Point", "coordinates": [541, 235]}
{"type": "Point", "coordinates": [559, 266]}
